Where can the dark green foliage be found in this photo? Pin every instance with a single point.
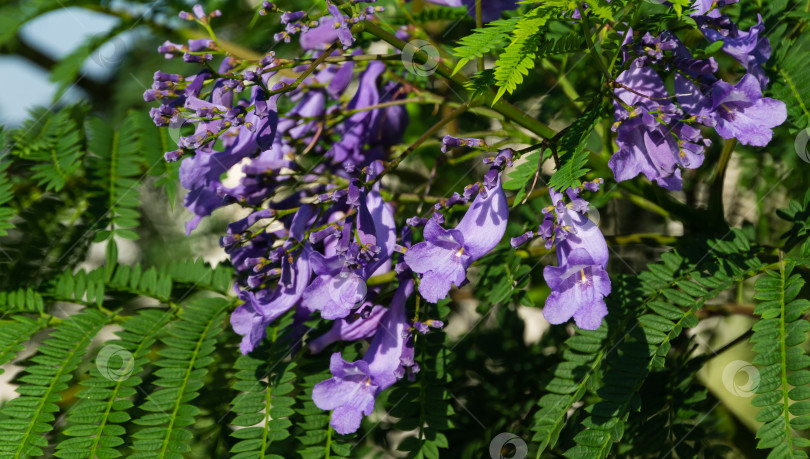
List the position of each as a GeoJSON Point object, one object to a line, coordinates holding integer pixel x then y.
{"type": "Point", "coordinates": [265, 381]}
{"type": "Point", "coordinates": [783, 364]}
{"type": "Point", "coordinates": [522, 176]}
{"type": "Point", "coordinates": [114, 162]}
{"type": "Point", "coordinates": [52, 142]}
{"type": "Point", "coordinates": [440, 13]}
{"type": "Point", "coordinates": [105, 399]}
{"type": "Point", "coordinates": [483, 41]}
{"type": "Point", "coordinates": [648, 314]}
{"type": "Point", "coordinates": [425, 405]}
{"type": "Point", "coordinates": [183, 364]}
{"type": "Point", "coordinates": [570, 149]}
{"type": "Point", "coordinates": [6, 213]}
{"type": "Point", "coordinates": [528, 46]}
{"type": "Point", "coordinates": [316, 438]}
{"type": "Point", "coordinates": [32, 414]}
{"type": "Point", "coordinates": [792, 83]}
{"type": "Point", "coordinates": [16, 332]}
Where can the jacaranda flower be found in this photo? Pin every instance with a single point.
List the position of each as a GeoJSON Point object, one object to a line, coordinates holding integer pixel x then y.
{"type": "Point", "coordinates": [736, 111]}
{"type": "Point", "coordinates": [579, 282]}
{"type": "Point", "coordinates": [354, 386]}
{"type": "Point", "coordinates": [444, 257]}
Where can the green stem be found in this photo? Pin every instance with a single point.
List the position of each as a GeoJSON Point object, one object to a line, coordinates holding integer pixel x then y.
{"type": "Point", "coordinates": [586, 32]}
{"type": "Point", "coordinates": [501, 106]}
{"type": "Point", "coordinates": [568, 89]}
{"type": "Point", "coordinates": [783, 350]}
{"type": "Point", "coordinates": [716, 211]}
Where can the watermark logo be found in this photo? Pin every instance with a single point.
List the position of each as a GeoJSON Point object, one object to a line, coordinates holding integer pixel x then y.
{"type": "Point", "coordinates": [507, 445]}
{"type": "Point", "coordinates": [801, 144]}
{"type": "Point", "coordinates": [115, 363]}
{"type": "Point", "coordinates": [180, 127]}
{"type": "Point", "coordinates": [593, 215]}
{"type": "Point", "coordinates": [111, 53]}
{"type": "Point", "coordinates": [741, 378]}
{"type": "Point", "coordinates": [414, 60]}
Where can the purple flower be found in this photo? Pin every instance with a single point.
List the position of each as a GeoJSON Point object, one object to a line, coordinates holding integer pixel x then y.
{"type": "Point", "coordinates": [445, 255]}
{"type": "Point", "coordinates": [320, 37]}
{"type": "Point", "coordinates": [260, 309]}
{"type": "Point", "coordinates": [424, 327]}
{"type": "Point", "coordinates": [652, 138]}
{"type": "Point", "coordinates": [712, 7]}
{"type": "Point", "coordinates": [354, 386]}
{"type": "Point", "coordinates": [490, 9]}
{"type": "Point", "coordinates": [341, 283]}
{"type": "Point", "coordinates": [737, 111]}
{"type": "Point", "coordinates": [342, 24]}
{"type": "Point", "coordinates": [371, 128]}
{"type": "Point", "coordinates": [579, 282]}
{"type": "Point", "coordinates": [748, 48]}
{"type": "Point", "coordinates": [516, 242]}
{"type": "Point", "coordinates": [351, 328]}
{"type": "Point", "coordinates": [449, 142]}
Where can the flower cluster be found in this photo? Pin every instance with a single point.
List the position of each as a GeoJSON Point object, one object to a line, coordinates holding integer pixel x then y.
{"type": "Point", "coordinates": [656, 136]}
{"type": "Point", "coordinates": [304, 157]}
{"type": "Point", "coordinates": [579, 282]}
{"type": "Point", "coordinates": [303, 152]}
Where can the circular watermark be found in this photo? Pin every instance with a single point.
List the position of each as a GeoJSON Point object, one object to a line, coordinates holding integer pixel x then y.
{"type": "Point", "coordinates": [347, 288]}
{"type": "Point", "coordinates": [593, 215]}
{"type": "Point", "coordinates": [414, 64]}
{"type": "Point", "coordinates": [111, 53]}
{"type": "Point", "coordinates": [507, 445]}
{"type": "Point", "coordinates": [801, 143]}
{"type": "Point", "coordinates": [741, 378]}
{"type": "Point", "coordinates": [181, 127]}
{"type": "Point", "coordinates": [115, 363]}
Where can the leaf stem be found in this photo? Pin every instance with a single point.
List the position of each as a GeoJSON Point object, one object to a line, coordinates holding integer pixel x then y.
{"type": "Point", "coordinates": [586, 32]}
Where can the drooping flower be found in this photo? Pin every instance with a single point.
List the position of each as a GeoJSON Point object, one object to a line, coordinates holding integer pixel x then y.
{"type": "Point", "coordinates": [735, 111]}
{"type": "Point", "coordinates": [260, 309]}
{"type": "Point", "coordinates": [579, 282]}
{"type": "Point", "coordinates": [353, 328]}
{"type": "Point", "coordinates": [749, 48]}
{"type": "Point", "coordinates": [444, 257]}
{"type": "Point", "coordinates": [449, 142]}
{"type": "Point", "coordinates": [341, 283]}
{"type": "Point", "coordinates": [354, 386]}
{"type": "Point", "coordinates": [653, 140]}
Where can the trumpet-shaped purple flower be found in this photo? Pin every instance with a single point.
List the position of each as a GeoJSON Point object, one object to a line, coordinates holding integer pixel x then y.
{"type": "Point", "coordinates": [736, 111]}
{"type": "Point", "coordinates": [342, 25]}
{"type": "Point", "coordinates": [260, 309]}
{"type": "Point", "coordinates": [353, 328]}
{"type": "Point", "coordinates": [444, 257]}
{"type": "Point", "coordinates": [579, 282]}
{"type": "Point", "coordinates": [652, 138]}
{"type": "Point", "coordinates": [354, 386]}
{"type": "Point", "coordinates": [341, 283]}
{"type": "Point", "coordinates": [749, 48]}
